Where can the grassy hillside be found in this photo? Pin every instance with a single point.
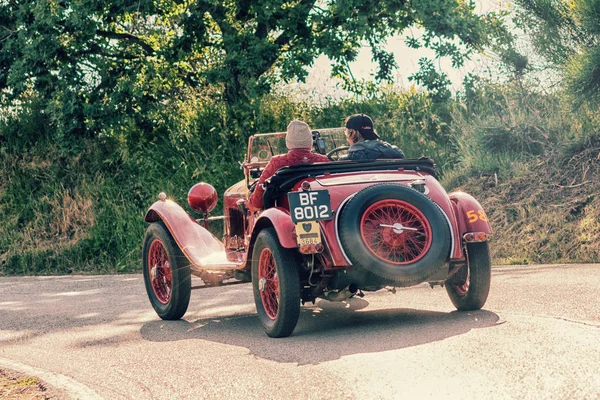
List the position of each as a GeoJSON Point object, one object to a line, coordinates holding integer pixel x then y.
{"type": "Point", "coordinates": [547, 212]}
{"type": "Point", "coordinates": [531, 160]}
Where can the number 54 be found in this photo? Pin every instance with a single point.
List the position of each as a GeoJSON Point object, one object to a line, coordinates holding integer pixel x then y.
{"type": "Point", "coordinates": [474, 217]}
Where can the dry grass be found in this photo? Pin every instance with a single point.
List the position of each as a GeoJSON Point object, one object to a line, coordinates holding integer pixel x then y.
{"type": "Point", "coordinates": [15, 386]}
{"type": "Point", "coordinates": [61, 220]}
{"type": "Point", "coordinates": [549, 213]}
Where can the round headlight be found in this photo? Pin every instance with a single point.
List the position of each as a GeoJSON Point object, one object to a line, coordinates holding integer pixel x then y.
{"type": "Point", "coordinates": [202, 197]}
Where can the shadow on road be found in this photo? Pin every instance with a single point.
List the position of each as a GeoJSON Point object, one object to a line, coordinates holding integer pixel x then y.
{"type": "Point", "coordinates": [324, 335]}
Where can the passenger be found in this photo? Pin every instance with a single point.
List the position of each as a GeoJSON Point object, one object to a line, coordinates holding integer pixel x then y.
{"type": "Point", "coordinates": [299, 142]}
{"type": "Point", "coordinates": [365, 143]}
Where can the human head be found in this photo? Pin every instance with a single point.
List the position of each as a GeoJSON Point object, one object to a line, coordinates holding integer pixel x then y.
{"type": "Point", "coordinates": [363, 125]}
{"type": "Point", "coordinates": [298, 136]}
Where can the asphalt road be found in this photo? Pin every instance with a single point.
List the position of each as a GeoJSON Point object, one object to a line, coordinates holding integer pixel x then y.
{"type": "Point", "coordinates": [538, 337]}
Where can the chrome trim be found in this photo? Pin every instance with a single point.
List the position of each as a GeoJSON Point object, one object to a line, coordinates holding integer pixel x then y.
{"type": "Point", "coordinates": [337, 233]}
{"type": "Point", "coordinates": [366, 182]}
{"type": "Point", "coordinates": [341, 174]}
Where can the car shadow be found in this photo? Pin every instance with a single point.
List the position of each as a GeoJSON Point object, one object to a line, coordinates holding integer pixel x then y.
{"type": "Point", "coordinates": [327, 331]}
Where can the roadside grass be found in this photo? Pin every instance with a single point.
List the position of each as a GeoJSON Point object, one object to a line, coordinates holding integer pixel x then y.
{"type": "Point", "coordinates": [16, 386]}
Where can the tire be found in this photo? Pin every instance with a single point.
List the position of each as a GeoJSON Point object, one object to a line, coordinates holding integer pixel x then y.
{"type": "Point", "coordinates": [167, 273]}
{"type": "Point", "coordinates": [413, 246]}
{"type": "Point", "coordinates": [276, 284]}
{"type": "Point", "coordinates": [469, 287]}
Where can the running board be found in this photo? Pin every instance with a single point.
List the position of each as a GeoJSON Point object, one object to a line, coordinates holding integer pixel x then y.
{"type": "Point", "coordinates": [217, 267]}
{"type": "Point", "coordinates": [214, 286]}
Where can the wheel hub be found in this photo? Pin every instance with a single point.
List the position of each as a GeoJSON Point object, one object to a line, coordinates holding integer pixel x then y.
{"type": "Point", "coordinates": [262, 284]}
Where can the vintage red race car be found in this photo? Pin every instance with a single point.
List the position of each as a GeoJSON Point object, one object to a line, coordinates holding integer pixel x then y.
{"type": "Point", "coordinates": [329, 230]}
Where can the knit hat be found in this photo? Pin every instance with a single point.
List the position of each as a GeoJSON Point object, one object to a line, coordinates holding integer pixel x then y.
{"type": "Point", "coordinates": [363, 124]}
{"type": "Point", "coordinates": [299, 135]}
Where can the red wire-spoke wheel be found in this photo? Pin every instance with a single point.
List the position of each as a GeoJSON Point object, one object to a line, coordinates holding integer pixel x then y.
{"type": "Point", "coordinates": [395, 231]}
{"type": "Point", "coordinates": [167, 273]}
{"type": "Point", "coordinates": [160, 272]}
{"type": "Point", "coordinates": [275, 284]}
{"type": "Point", "coordinates": [469, 287]}
{"type": "Point", "coordinates": [461, 287]}
{"type": "Point", "coordinates": [268, 283]}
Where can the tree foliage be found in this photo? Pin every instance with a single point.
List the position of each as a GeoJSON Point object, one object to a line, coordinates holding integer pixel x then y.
{"type": "Point", "coordinates": [111, 67]}
{"type": "Point", "coordinates": [566, 34]}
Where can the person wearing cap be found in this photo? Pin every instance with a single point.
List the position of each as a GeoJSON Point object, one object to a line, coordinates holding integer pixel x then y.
{"type": "Point", "coordinates": [299, 141]}
{"type": "Point", "coordinates": [365, 143]}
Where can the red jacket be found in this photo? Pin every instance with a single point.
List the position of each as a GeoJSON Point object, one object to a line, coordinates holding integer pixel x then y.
{"type": "Point", "coordinates": [291, 158]}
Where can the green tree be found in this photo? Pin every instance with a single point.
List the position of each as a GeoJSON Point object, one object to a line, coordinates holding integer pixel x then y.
{"type": "Point", "coordinates": [566, 34]}
{"type": "Point", "coordinates": [111, 66]}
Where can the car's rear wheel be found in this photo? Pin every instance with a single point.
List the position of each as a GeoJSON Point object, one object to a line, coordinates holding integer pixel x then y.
{"type": "Point", "coordinates": [167, 274]}
{"type": "Point", "coordinates": [276, 284]}
{"type": "Point", "coordinates": [468, 289]}
{"type": "Point", "coordinates": [396, 233]}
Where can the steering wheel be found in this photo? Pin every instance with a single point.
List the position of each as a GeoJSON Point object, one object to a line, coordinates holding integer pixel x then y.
{"type": "Point", "coordinates": [333, 155]}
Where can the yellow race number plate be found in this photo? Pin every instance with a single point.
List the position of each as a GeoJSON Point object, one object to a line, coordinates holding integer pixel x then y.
{"type": "Point", "coordinates": [308, 233]}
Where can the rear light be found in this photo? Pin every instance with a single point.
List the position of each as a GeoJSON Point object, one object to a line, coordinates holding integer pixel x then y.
{"type": "Point", "coordinates": [311, 248]}
{"type": "Point", "coordinates": [472, 237]}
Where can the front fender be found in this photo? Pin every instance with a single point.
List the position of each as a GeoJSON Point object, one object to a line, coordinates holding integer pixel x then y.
{"type": "Point", "coordinates": [196, 243]}
{"type": "Point", "coordinates": [469, 214]}
{"type": "Point", "coordinates": [280, 219]}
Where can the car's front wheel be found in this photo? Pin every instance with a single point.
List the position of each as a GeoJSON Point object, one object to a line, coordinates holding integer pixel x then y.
{"type": "Point", "coordinates": [469, 287]}
{"type": "Point", "coordinates": [276, 284]}
{"type": "Point", "coordinates": [166, 273]}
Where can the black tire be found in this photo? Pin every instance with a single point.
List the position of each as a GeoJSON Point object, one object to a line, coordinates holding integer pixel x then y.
{"type": "Point", "coordinates": [277, 300]}
{"type": "Point", "coordinates": [169, 298]}
{"type": "Point", "coordinates": [469, 287]}
{"type": "Point", "coordinates": [416, 252]}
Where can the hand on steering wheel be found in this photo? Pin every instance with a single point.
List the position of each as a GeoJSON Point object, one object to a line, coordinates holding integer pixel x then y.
{"type": "Point", "coordinates": [333, 155]}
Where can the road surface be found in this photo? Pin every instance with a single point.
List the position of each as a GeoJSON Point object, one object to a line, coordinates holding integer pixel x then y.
{"type": "Point", "coordinates": [538, 337]}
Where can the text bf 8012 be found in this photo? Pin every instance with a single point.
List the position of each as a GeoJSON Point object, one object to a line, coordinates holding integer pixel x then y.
{"type": "Point", "coordinates": [310, 205]}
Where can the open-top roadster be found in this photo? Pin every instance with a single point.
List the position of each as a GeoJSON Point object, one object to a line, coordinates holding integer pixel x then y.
{"type": "Point", "coordinates": [328, 230]}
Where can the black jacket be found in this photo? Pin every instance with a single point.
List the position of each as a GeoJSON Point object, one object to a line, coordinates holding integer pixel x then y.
{"type": "Point", "coordinates": [373, 150]}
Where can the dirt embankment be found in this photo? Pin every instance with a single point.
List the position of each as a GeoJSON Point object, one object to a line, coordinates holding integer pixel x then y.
{"type": "Point", "coordinates": [549, 213]}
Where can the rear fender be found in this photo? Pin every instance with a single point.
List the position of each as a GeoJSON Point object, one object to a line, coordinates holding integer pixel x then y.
{"type": "Point", "coordinates": [279, 219]}
{"type": "Point", "coordinates": [196, 242]}
{"type": "Point", "coordinates": [469, 214]}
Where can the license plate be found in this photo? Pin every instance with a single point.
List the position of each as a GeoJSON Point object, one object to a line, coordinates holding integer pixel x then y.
{"type": "Point", "coordinates": [308, 233]}
{"type": "Point", "coordinates": [310, 205]}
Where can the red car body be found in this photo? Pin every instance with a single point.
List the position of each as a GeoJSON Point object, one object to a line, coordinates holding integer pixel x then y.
{"type": "Point", "coordinates": [388, 223]}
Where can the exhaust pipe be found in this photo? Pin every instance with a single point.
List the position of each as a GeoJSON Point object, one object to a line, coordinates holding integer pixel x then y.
{"type": "Point", "coordinates": [341, 295]}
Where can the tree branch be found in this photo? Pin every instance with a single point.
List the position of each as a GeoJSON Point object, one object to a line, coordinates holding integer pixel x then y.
{"type": "Point", "coordinates": [126, 36]}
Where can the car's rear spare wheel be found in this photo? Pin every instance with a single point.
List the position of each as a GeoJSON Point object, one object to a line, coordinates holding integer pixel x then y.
{"type": "Point", "coordinates": [396, 233]}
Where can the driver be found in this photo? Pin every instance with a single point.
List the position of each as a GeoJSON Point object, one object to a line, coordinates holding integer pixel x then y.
{"type": "Point", "coordinates": [365, 143]}
{"type": "Point", "coordinates": [299, 141]}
